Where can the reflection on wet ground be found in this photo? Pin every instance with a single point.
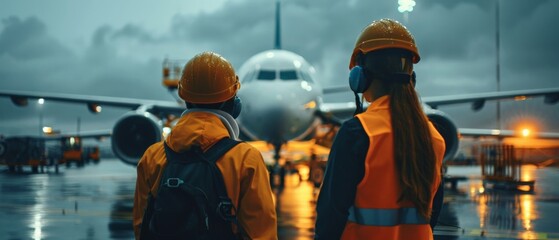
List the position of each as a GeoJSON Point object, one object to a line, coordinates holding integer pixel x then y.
{"type": "Point", "coordinates": [73, 204]}
{"type": "Point", "coordinates": [295, 207]}
{"type": "Point", "coordinates": [473, 211]}
{"type": "Point", "coordinates": [95, 202]}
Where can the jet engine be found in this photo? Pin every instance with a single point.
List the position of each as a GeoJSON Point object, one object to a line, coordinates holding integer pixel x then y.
{"type": "Point", "coordinates": [133, 133]}
{"type": "Point", "coordinates": [446, 127]}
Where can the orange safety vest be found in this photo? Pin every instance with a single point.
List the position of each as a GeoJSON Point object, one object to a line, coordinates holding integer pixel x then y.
{"type": "Point", "coordinates": [376, 213]}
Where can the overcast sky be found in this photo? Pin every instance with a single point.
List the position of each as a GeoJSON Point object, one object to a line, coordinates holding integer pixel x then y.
{"type": "Point", "coordinates": [116, 48]}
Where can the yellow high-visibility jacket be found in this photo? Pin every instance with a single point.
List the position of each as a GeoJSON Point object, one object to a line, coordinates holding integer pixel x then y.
{"type": "Point", "coordinates": [244, 172]}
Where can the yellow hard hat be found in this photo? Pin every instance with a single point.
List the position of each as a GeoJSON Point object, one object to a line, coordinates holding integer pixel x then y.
{"type": "Point", "coordinates": [208, 78]}
{"type": "Point", "coordinates": [382, 34]}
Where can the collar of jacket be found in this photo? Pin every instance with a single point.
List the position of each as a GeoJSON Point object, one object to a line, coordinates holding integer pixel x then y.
{"type": "Point", "coordinates": [379, 103]}
{"type": "Point", "coordinates": [228, 121]}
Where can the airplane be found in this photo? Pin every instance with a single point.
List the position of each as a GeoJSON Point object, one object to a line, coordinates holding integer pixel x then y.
{"type": "Point", "coordinates": [282, 102]}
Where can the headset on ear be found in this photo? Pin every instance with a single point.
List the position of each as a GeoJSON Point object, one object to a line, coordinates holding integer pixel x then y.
{"type": "Point", "coordinates": [232, 107]}
{"type": "Point", "coordinates": [237, 107]}
{"type": "Point", "coordinates": [358, 81]}
{"type": "Point", "coordinates": [413, 78]}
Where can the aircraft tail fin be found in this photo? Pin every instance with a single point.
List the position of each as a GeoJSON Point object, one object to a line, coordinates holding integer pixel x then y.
{"type": "Point", "coordinates": [277, 44]}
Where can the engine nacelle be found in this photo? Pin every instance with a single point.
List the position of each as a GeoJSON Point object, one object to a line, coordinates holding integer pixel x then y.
{"type": "Point", "coordinates": [133, 133]}
{"type": "Point", "coordinates": [446, 127]}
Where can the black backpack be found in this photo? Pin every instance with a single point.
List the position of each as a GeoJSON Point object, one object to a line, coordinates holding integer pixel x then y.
{"type": "Point", "coordinates": [192, 202]}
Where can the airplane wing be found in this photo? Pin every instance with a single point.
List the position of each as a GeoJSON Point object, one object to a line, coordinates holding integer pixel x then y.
{"type": "Point", "coordinates": [345, 110]}
{"type": "Point", "coordinates": [93, 134]}
{"type": "Point", "coordinates": [475, 132]}
{"type": "Point", "coordinates": [90, 134]}
{"type": "Point", "coordinates": [20, 98]}
{"type": "Point", "coordinates": [336, 89]}
{"type": "Point", "coordinates": [551, 96]}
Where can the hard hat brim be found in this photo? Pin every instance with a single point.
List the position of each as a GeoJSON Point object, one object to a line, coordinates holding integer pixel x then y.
{"type": "Point", "coordinates": [383, 43]}
{"type": "Point", "coordinates": [216, 97]}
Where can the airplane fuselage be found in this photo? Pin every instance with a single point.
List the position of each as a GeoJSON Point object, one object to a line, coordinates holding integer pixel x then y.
{"type": "Point", "coordinates": [280, 97]}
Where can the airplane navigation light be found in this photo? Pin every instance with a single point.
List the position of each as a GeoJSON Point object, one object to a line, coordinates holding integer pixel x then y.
{"type": "Point", "coordinates": [405, 5]}
{"type": "Point", "coordinates": [310, 105]}
{"type": "Point", "coordinates": [94, 108]}
{"type": "Point", "coordinates": [305, 85]}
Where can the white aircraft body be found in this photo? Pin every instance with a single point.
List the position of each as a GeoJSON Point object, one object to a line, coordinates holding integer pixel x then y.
{"type": "Point", "coordinates": [282, 101]}
{"type": "Point", "coordinates": [280, 97]}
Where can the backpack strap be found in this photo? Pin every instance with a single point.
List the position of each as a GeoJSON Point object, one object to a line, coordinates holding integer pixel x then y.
{"type": "Point", "coordinates": [225, 204]}
{"type": "Point", "coordinates": [219, 149]}
{"type": "Point", "coordinates": [173, 156]}
{"type": "Point", "coordinates": [213, 154]}
{"type": "Point", "coordinates": [145, 234]}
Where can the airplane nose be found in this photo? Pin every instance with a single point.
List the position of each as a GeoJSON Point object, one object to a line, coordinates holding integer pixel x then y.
{"type": "Point", "coordinates": [276, 112]}
{"type": "Point", "coordinates": [276, 121]}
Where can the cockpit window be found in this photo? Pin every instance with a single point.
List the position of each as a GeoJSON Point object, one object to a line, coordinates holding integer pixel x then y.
{"type": "Point", "coordinates": [306, 76]}
{"type": "Point", "coordinates": [267, 75]}
{"type": "Point", "coordinates": [249, 77]}
{"type": "Point", "coordinates": [288, 75]}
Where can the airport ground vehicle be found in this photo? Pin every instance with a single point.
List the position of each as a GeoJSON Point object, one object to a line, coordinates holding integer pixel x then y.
{"type": "Point", "coordinates": [40, 152]}
{"type": "Point", "coordinates": [72, 151]}
{"type": "Point", "coordinates": [90, 153]}
{"type": "Point", "coordinates": [24, 151]}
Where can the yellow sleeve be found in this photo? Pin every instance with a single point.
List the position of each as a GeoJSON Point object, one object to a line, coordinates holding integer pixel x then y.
{"type": "Point", "coordinates": [140, 197]}
{"type": "Point", "coordinates": [256, 213]}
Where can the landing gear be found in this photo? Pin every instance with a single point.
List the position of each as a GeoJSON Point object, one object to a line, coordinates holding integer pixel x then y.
{"type": "Point", "coordinates": [277, 170]}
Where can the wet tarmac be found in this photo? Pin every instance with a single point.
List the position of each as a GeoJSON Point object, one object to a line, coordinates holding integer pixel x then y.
{"type": "Point", "coordinates": [95, 202]}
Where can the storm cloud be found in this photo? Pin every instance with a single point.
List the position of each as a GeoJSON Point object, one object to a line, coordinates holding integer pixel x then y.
{"type": "Point", "coordinates": [456, 40]}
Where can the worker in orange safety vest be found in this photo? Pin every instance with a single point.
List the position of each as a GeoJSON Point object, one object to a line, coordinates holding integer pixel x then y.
{"type": "Point", "coordinates": [383, 179]}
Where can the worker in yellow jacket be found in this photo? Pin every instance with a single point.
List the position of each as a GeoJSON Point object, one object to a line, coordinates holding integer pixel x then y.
{"type": "Point", "coordinates": [383, 179]}
{"type": "Point", "coordinates": [208, 86]}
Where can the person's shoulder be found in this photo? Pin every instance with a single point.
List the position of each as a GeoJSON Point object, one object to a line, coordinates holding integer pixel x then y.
{"type": "Point", "coordinates": [435, 134]}
{"type": "Point", "coordinates": [153, 152]}
{"type": "Point", "coordinates": [156, 147]}
{"type": "Point", "coordinates": [246, 148]}
{"type": "Point", "coordinates": [352, 126]}
{"type": "Point", "coordinates": [248, 154]}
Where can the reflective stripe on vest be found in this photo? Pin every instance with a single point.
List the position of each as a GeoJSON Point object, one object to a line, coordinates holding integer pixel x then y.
{"type": "Point", "coordinates": [385, 217]}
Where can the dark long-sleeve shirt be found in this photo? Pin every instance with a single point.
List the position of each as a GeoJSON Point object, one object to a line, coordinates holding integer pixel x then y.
{"type": "Point", "coordinates": [345, 169]}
